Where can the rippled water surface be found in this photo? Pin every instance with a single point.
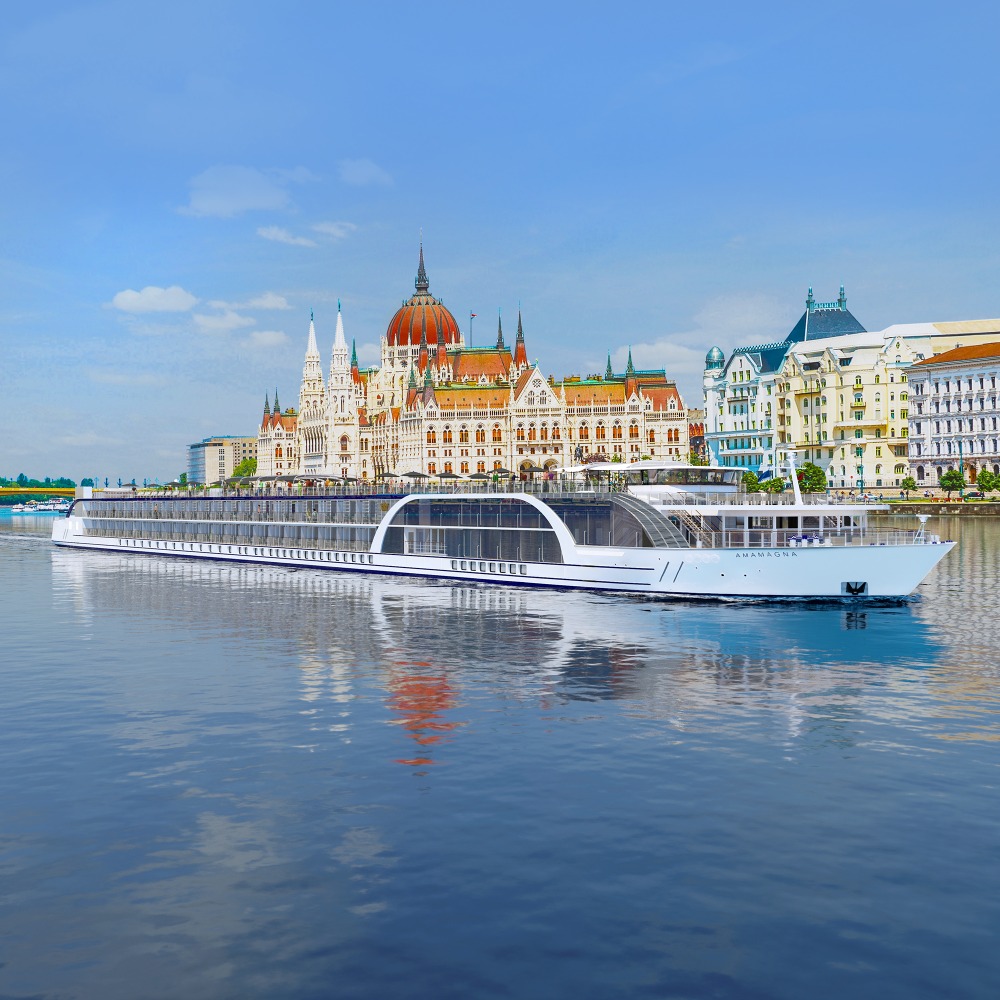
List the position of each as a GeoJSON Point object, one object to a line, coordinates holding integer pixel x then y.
{"type": "Point", "coordinates": [222, 781]}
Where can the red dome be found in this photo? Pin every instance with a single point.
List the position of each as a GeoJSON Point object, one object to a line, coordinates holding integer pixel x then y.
{"type": "Point", "coordinates": [422, 314]}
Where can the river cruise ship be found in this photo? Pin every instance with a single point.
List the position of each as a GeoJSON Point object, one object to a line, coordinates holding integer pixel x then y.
{"type": "Point", "coordinates": [652, 528]}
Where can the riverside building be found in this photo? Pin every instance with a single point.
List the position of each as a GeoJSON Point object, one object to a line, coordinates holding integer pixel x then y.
{"type": "Point", "coordinates": [831, 392]}
{"type": "Point", "coordinates": [437, 406]}
{"type": "Point", "coordinates": [953, 417]}
{"type": "Point", "coordinates": [214, 459]}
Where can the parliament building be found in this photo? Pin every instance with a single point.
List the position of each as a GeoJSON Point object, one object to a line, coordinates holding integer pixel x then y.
{"type": "Point", "coordinates": [439, 407]}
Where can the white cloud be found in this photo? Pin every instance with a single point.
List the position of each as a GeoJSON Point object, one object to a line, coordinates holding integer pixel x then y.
{"type": "Point", "coordinates": [363, 172]}
{"type": "Point", "coordinates": [265, 339]}
{"type": "Point", "coordinates": [269, 300]}
{"type": "Point", "coordinates": [226, 191]}
{"type": "Point", "coordinates": [369, 354]}
{"type": "Point", "coordinates": [664, 352]}
{"type": "Point", "coordinates": [727, 321]}
{"type": "Point", "coordinates": [338, 230]}
{"type": "Point", "coordinates": [280, 235]}
{"type": "Point", "coordinates": [222, 323]}
{"type": "Point", "coordinates": [154, 299]}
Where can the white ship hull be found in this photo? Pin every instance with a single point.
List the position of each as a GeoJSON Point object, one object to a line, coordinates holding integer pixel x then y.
{"type": "Point", "coordinates": [868, 570]}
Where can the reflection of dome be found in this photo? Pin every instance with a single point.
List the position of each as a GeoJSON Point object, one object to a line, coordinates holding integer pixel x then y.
{"type": "Point", "coordinates": [715, 358]}
{"type": "Point", "coordinates": [422, 314]}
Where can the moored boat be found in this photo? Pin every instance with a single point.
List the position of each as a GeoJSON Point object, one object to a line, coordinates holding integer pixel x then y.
{"type": "Point", "coordinates": [657, 529]}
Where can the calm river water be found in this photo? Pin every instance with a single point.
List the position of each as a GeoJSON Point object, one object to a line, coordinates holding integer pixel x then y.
{"type": "Point", "coordinates": [233, 782]}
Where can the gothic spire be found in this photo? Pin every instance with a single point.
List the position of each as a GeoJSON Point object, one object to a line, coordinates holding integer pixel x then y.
{"type": "Point", "coordinates": [413, 378]}
{"type": "Point", "coordinates": [277, 405]}
{"type": "Point", "coordinates": [312, 368]}
{"type": "Point", "coordinates": [354, 353]}
{"type": "Point", "coordinates": [609, 372]}
{"type": "Point", "coordinates": [630, 368]}
{"type": "Point", "coordinates": [520, 351]}
{"type": "Point", "coordinates": [421, 283]}
{"type": "Point", "coordinates": [500, 343]}
{"type": "Point", "coordinates": [267, 404]}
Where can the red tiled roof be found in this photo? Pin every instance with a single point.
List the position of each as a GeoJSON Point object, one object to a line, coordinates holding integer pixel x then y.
{"type": "Point", "coordinates": [976, 353]}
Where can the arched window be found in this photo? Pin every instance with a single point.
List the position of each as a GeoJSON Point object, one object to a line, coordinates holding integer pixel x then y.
{"type": "Point", "coordinates": [600, 432]}
{"type": "Point", "coordinates": [616, 431]}
{"type": "Point", "coordinates": [432, 436]}
{"type": "Point", "coordinates": [463, 435]}
{"type": "Point", "coordinates": [446, 437]}
{"type": "Point", "coordinates": [532, 433]}
{"type": "Point", "coordinates": [481, 435]}
{"type": "Point", "coordinates": [519, 433]}
{"type": "Point", "coordinates": [497, 438]}
{"type": "Point", "coordinates": [584, 432]}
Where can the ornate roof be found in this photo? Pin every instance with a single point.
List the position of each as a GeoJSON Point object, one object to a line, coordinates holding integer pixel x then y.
{"type": "Point", "coordinates": [422, 316]}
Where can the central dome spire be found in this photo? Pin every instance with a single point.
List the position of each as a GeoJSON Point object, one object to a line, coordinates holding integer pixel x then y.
{"type": "Point", "coordinates": [421, 283]}
{"type": "Point", "coordinates": [422, 314]}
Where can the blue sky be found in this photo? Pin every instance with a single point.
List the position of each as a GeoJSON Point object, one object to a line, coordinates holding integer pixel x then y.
{"type": "Point", "coordinates": [182, 182]}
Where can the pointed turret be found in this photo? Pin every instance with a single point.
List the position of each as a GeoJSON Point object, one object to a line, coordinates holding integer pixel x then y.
{"type": "Point", "coordinates": [412, 391]}
{"type": "Point", "coordinates": [630, 368]}
{"type": "Point", "coordinates": [267, 406]}
{"type": "Point", "coordinates": [422, 356]}
{"type": "Point", "coordinates": [312, 369]}
{"type": "Point", "coordinates": [277, 405]}
{"type": "Point", "coordinates": [520, 352]}
{"type": "Point", "coordinates": [609, 373]}
{"type": "Point", "coordinates": [500, 343]}
{"type": "Point", "coordinates": [428, 393]}
{"type": "Point", "coordinates": [355, 371]}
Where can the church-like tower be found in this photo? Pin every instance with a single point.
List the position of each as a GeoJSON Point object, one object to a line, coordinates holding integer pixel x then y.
{"type": "Point", "coordinates": [341, 408]}
{"type": "Point", "coordinates": [312, 408]}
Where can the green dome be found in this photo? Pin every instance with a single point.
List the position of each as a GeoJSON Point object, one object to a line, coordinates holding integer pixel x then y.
{"type": "Point", "coordinates": [715, 359]}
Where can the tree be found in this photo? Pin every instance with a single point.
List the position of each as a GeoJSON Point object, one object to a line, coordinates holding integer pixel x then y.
{"type": "Point", "coordinates": [909, 483]}
{"type": "Point", "coordinates": [952, 480]}
{"type": "Point", "coordinates": [183, 478]}
{"type": "Point", "coordinates": [812, 479]}
{"type": "Point", "coordinates": [988, 481]}
{"type": "Point", "coordinates": [775, 485]}
{"type": "Point", "coordinates": [751, 482]}
{"type": "Point", "coordinates": [248, 467]}
{"type": "Point", "coordinates": [87, 481]}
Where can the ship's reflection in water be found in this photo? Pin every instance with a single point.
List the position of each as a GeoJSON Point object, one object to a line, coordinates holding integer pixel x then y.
{"type": "Point", "coordinates": [434, 651]}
